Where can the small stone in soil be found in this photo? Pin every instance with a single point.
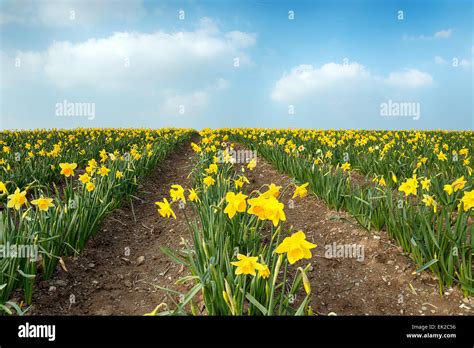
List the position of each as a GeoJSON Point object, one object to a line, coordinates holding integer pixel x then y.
{"type": "Point", "coordinates": [140, 260]}
{"type": "Point", "coordinates": [61, 282]}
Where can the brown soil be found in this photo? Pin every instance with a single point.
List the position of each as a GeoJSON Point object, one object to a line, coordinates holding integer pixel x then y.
{"type": "Point", "coordinates": [105, 279]}
{"type": "Point", "coordinates": [382, 283]}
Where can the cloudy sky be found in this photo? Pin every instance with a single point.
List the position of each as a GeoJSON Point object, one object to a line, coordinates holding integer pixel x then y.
{"type": "Point", "coordinates": [214, 63]}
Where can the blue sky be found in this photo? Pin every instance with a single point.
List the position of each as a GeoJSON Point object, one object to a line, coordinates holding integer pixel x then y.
{"type": "Point", "coordinates": [279, 63]}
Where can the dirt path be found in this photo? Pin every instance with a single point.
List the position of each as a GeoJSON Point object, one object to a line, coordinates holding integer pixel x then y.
{"type": "Point", "coordinates": [110, 276]}
{"type": "Point", "coordinates": [379, 284]}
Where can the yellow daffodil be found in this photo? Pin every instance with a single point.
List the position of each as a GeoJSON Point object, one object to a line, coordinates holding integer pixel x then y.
{"type": "Point", "coordinates": [464, 151]}
{"type": "Point", "coordinates": [3, 188]}
{"type": "Point", "coordinates": [306, 284]}
{"type": "Point", "coordinates": [252, 164]}
{"type": "Point", "coordinates": [235, 203]}
{"type": "Point", "coordinates": [92, 164]}
{"type": "Point", "coordinates": [209, 181]}
{"type": "Point", "coordinates": [273, 190]}
{"type": "Point", "coordinates": [300, 191]}
{"type": "Point", "coordinates": [196, 147]}
{"type": "Point", "coordinates": [425, 184]}
{"type": "Point", "coordinates": [90, 186]}
{"type": "Point", "coordinates": [84, 178]}
{"type": "Point", "coordinates": [118, 174]}
{"type": "Point", "coordinates": [394, 178]}
{"type": "Point", "coordinates": [382, 182]}
{"type": "Point", "coordinates": [240, 181]}
{"type": "Point", "coordinates": [177, 192]}
{"type": "Point", "coordinates": [448, 189]}
{"type": "Point", "coordinates": [296, 247]}
{"type": "Point", "coordinates": [430, 202]}
{"type": "Point", "coordinates": [442, 156]}
{"type": "Point", "coordinates": [67, 169]}
{"type": "Point", "coordinates": [193, 197]}
{"type": "Point", "coordinates": [409, 187]}
{"type": "Point", "coordinates": [247, 265]}
{"type": "Point", "coordinates": [257, 206]}
{"type": "Point", "coordinates": [43, 204]}
{"type": "Point", "coordinates": [274, 210]}
{"type": "Point", "coordinates": [346, 166]}
{"type": "Point", "coordinates": [265, 272]}
{"type": "Point", "coordinates": [17, 199]}
{"type": "Point", "coordinates": [212, 169]}
{"type": "Point", "coordinates": [165, 209]}
{"type": "Point", "coordinates": [458, 184]}
{"type": "Point", "coordinates": [468, 200]}
{"type": "Point", "coordinates": [103, 171]}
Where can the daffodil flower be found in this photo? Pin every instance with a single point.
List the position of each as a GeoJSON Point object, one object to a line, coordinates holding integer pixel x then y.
{"type": "Point", "coordinates": [235, 203]}
{"type": "Point", "coordinates": [17, 199]}
{"type": "Point", "coordinates": [301, 191]}
{"type": "Point", "coordinates": [67, 169]}
{"type": "Point", "coordinates": [43, 204]}
{"type": "Point", "coordinates": [247, 265]}
{"type": "Point", "coordinates": [165, 209]}
{"type": "Point", "coordinates": [296, 247]}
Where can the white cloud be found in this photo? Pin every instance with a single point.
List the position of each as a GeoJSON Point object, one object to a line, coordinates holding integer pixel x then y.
{"type": "Point", "coordinates": [442, 34]}
{"type": "Point", "coordinates": [241, 39]}
{"type": "Point", "coordinates": [305, 79]}
{"type": "Point", "coordinates": [221, 84]}
{"type": "Point", "coordinates": [465, 63]}
{"type": "Point", "coordinates": [440, 60]}
{"type": "Point", "coordinates": [124, 60]}
{"type": "Point", "coordinates": [6, 18]}
{"type": "Point", "coordinates": [21, 68]}
{"type": "Point", "coordinates": [410, 78]}
{"type": "Point", "coordinates": [69, 12]}
{"type": "Point", "coordinates": [166, 70]}
{"type": "Point", "coordinates": [187, 104]}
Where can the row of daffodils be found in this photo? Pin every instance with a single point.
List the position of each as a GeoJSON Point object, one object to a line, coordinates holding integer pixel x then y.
{"type": "Point", "coordinates": [418, 186]}
{"type": "Point", "coordinates": [51, 212]}
{"type": "Point", "coordinates": [239, 254]}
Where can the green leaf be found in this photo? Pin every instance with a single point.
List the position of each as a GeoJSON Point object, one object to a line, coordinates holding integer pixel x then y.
{"type": "Point", "coordinates": [6, 309]}
{"type": "Point", "coordinates": [189, 296]}
{"type": "Point", "coordinates": [300, 310]}
{"type": "Point", "coordinates": [257, 304]}
{"type": "Point", "coordinates": [29, 276]}
{"type": "Point", "coordinates": [426, 265]}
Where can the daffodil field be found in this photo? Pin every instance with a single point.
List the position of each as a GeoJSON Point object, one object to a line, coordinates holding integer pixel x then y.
{"type": "Point", "coordinates": [416, 185]}
{"type": "Point", "coordinates": [57, 186]}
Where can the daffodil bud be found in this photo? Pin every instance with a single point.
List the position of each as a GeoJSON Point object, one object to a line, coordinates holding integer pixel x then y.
{"type": "Point", "coordinates": [229, 297]}
{"type": "Point", "coordinates": [277, 269]}
{"type": "Point", "coordinates": [306, 284]}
